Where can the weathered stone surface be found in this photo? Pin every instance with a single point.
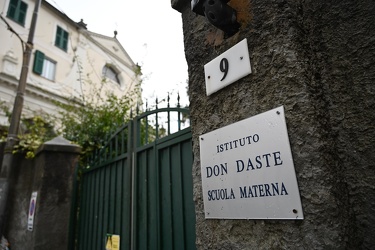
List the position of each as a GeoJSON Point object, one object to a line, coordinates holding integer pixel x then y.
{"type": "Point", "coordinates": [54, 174]}
{"type": "Point", "coordinates": [51, 175]}
{"type": "Point", "coordinates": [17, 233]}
{"type": "Point", "coordinates": [317, 58]}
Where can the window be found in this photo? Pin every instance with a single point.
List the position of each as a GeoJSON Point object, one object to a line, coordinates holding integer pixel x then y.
{"type": "Point", "coordinates": [110, 73]}
{"type": "Point", "coordinates": [61, 39]}
{"type": "Point", "coordinates": [49, 69]}
{"type": "Point", "coordinates": [44, 66]}
{"type": "Point", "coordinates": [17, 11]}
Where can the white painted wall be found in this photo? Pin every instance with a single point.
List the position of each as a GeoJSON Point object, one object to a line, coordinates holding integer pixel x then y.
{"type": "Point", "coordinates": [89, 50]}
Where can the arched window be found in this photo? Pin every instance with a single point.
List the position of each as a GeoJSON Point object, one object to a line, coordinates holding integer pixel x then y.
{"type": "Point", "coordinates": [110, 73]}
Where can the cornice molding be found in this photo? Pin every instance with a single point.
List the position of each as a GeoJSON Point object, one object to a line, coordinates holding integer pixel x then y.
{"type": "Point", "coordinates": [33, 90]}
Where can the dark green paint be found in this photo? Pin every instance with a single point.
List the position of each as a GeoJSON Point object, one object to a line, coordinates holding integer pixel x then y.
{"type": "Point", "coordinates": [159, 201]}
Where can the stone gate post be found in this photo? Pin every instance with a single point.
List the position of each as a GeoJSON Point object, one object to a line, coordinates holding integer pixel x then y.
{"type": "Point", "coordinates": [317, 60]}
{"type": "Point", "coordinates": [53, 181]}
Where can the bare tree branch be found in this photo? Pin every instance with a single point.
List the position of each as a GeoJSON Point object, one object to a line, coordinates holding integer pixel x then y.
{"type": "Point", "coordinates": [23, 43]}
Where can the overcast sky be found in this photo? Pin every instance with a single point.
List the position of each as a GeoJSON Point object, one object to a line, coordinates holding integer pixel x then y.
{"type": "Point", "coordinates": [149, 30]}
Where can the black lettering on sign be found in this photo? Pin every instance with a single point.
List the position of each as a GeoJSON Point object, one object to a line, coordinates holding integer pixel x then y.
{"type": "Point", "coordinates": [224, 67]}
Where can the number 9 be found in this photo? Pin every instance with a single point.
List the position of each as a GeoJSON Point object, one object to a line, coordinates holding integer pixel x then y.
{"type": "Point", "coordinates": [224, 67]}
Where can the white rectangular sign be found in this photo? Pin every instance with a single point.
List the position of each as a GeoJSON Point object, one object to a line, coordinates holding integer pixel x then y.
{"type": "Point", "coordinates": [248, 172]}
{"type": "Point", "coordinates": [227, 68]}
{"type": "Point", "coordinates": [31, 215]}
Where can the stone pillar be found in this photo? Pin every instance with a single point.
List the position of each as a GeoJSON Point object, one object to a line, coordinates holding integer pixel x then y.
{"type": "Point", "coordinates": [19, 200]}
{"type": "Point", "coordinates": [317, 59]}
{"type": "Point", "coordinates": [55, 163]}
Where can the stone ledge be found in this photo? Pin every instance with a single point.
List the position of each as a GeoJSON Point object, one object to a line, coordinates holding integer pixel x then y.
{"type": "Point", "coordinates": [59, 144]}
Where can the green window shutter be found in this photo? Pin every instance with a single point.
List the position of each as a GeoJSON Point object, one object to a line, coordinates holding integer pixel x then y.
{"type": "Point", "coordinates": [61, 40]}
{"type": "Point", "coordinates": [17, 11]}
{"type": "Point", "coordinates": [65, 41]}
{"type": "Point", "coordinates": [58, 36]}
{"type": "Point", "coordinates": [22, 13]}
{"type": "Point", "coordinates": [38, 62]}
{"type": "Point", "coordinates": [12, 9]}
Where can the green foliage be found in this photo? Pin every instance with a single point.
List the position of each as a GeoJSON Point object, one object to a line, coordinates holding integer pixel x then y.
{"type": "Point", "coordinates": [33, 132]}
{"type": "Point", "coordinates": [87, 122]}
{"type": "Point", "coordinates": [92, 119]}
{"type": "Point", "coordinates": [88, 125]}
{"type": "Point", "coordinates": [5, 109]}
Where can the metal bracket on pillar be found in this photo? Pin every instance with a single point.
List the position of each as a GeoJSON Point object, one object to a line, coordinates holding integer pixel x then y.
{"type": "Point", "coordinates": [219, 14]}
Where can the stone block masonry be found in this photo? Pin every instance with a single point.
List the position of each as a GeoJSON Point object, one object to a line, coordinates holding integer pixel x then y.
{"type": "Point", "coordinates": [317, 59]}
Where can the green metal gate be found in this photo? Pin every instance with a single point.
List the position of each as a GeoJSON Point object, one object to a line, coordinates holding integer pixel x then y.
{"type": "Point", "coordinates": [139, 186]}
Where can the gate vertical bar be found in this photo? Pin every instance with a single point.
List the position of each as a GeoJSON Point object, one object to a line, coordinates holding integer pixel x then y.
{"type": "Point", "coordinates": [127, 189]}
{"type": "Point", "coordinates": [177, 197]}
{"type": "Point", "coordinates": [153, 191]}
{"type": "Point", "coordinates": [132, 147]}
{"type": "Point", "coordinates": [166, 226]}
{"type": "Point", "coordinates": [96, 189]}
{"type": "Point", "coordinates": [188, 199]}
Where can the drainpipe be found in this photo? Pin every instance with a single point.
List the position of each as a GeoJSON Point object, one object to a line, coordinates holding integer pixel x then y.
{"type": "Point", "coordinates": [6, 167]}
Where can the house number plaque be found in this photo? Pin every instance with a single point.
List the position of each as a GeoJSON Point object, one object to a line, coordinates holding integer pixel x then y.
{"type": "Point", "coordinates": [227, 68]}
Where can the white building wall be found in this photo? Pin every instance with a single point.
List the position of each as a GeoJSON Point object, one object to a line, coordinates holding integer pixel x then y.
{"type": "Point", "coordinates": [78, 70]}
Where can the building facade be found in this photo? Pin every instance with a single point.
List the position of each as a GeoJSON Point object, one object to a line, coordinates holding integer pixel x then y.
{"type": "Point", "coordinates": [317, 60]}
{"type": "Point", "coordinates": [68, 62]}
